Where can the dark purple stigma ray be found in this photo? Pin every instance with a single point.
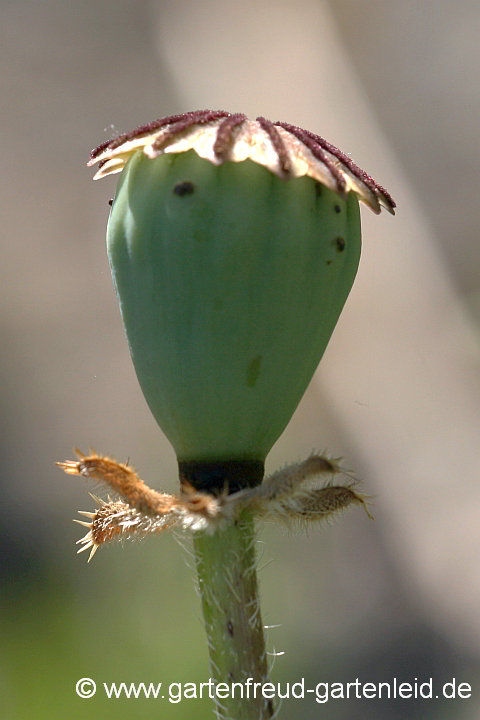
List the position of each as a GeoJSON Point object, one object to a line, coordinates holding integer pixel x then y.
{"type": "Point", "coordinates": [142, 130]}
{"type": "Point", "coordinates": [278, 144]}
{"type": "Point", "coordinates": [317, 151]}
{"type": "Point", "coordinates": [225, 134]}
{"type": "Point", "coordinates": [139, 131]}
{"type": "Point", "coordinates": [358, 172]}
{"type": "Point", "coordinates": [355, 170]}
{"type": "Point", "coordinates": [386, 195]}
{"type": "Point", "coordinates": [99, 149]}
{"type": "Point", "coordinates": [348, 162]}
{"type": "Point", "coordinates": [187, 121]}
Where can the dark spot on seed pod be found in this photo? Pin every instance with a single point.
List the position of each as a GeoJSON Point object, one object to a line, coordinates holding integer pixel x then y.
{"type": "Point", "coordinates": [110, 202]}
{"type": "Point", "coordinates": [270, 708]}
{"type": "Point", "coordinates": [230, 628]}
{"type": "Point", "coordinates": [339, 242]}
{"type": "Point", "coordinates": [253, 370]}
{"type": "Point", "coordinates": [184, 188]}
{"type": "Point", "coordinates": [338, 208]}
{"type": "Point", "coordinates": [318, 188]}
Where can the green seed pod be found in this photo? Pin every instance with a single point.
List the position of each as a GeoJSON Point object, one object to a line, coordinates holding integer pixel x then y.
{"type": "Point", "coordinates": [233, 246]}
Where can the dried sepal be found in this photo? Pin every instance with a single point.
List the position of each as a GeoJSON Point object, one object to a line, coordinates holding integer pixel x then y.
{"type": "Point", "coordinates": [122, 479]}
{"type": "Point", "coordinates": [315, 504]}
{"type": "Point", "coordinates": [146, 510]}
{"type": "Point", "coordinates": [288, 495]}
{"type": "Point", "coordinates": [200, 511]}
{"type": "Point", "coordinates": [288, 480]}
{"type": "Point", "coordinates": [116, 520]}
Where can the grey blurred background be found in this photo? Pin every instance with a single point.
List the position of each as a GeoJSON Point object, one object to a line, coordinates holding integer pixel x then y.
{"type": "Point", "coordinates": [397, 86]}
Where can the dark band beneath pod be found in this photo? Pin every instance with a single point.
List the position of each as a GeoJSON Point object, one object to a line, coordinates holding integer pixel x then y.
{"type": "Point", "coordinates": [213, 476]}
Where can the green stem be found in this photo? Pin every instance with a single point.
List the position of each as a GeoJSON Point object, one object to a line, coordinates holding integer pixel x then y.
{"type": "Point", "coordinates": [227, 578]}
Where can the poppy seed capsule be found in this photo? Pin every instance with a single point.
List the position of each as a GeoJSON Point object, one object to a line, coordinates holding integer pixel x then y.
{"type": "Point", "coordinates": [233, 245]}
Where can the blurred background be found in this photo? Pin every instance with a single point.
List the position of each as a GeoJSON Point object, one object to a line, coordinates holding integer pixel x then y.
{"type": "Point", "coordinates": [397, 86]}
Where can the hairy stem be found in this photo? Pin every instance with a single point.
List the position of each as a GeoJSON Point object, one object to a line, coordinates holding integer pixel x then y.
{"type": "Point", "coordinates": [227, 578]}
